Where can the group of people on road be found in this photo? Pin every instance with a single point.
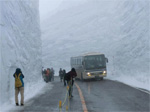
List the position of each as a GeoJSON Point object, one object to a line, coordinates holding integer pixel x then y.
{"type": "Point", "coordinates": [48, 74]}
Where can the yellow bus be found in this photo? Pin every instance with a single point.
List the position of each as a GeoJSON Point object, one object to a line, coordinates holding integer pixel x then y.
{"type": "Point", "coordinates": [90, 65]}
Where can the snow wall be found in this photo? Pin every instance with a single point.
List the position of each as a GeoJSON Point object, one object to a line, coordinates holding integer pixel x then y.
{"type": "Point", "coordinates": [117, 28]}
{"type": "Point", "coordinates": [20, 44]}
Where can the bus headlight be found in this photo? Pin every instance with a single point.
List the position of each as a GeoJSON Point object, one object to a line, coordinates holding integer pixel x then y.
{"type": "Point", "coordinates": [88, 74]}
{"type": "Point", "coordinates": [104, 72]}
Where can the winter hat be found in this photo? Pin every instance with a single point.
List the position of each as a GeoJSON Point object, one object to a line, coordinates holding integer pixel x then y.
{"type": "Point", "coordinates": [18, 70]}
{"type": "Point", "coordinates": [73, 69]}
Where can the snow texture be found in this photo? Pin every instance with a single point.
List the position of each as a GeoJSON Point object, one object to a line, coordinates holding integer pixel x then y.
{"type": "Point", "coordinates": [117, 28]}
{"type": "Point", "coordinates": [20, 46]}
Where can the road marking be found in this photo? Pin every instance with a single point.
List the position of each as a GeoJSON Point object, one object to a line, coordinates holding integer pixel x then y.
{"type": "Point", "coordinates": [82, 99]}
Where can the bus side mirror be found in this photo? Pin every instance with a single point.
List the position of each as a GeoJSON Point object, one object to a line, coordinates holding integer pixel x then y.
{"type": "Point", "coordinates": [106, 60]}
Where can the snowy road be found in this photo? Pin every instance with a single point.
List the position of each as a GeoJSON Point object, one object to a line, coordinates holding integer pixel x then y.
{"type": "Point", "coordinates": [100, 96]}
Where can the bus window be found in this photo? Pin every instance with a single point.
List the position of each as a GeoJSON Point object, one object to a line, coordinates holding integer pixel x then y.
{"type": "Point", "coordinates": [95, 62]}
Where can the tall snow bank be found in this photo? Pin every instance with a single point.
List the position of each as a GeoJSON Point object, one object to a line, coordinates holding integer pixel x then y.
{"type": "Point", "coordinates": [20, 44]}
{"type": "Point", "coordinates": [117, 28]}
{"type": "Point", "coordinates": [131, 61]}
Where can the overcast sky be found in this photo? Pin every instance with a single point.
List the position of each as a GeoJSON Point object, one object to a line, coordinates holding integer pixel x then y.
{"type": "Point", "coordinates": [46, 6]}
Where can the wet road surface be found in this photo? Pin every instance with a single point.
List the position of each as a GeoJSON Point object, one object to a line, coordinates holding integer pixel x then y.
{"type": "Point", "coordinates": [111, 96]}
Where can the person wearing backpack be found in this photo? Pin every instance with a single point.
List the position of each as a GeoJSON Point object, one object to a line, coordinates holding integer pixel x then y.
{"type": "Point", "coordinates": [69, 77]}
{"type": "Point", "coordinates": [19, 86]}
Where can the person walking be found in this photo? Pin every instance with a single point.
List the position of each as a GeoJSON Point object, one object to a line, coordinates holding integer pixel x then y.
{"type": "Point", "coordinates": [19, 86]}
{"type": "Point", "coordinates": [53, 72]}
{"type": "Point", "coordinates": [44, 75]}
{"type": "Point", "coordinates": [61, 74]}
{"type": "Point", "coordinates": [69, 77]}
{"type": "Point", "coordinates": [64, 74]}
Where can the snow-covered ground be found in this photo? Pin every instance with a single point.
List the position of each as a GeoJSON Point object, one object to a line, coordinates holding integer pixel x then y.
{"type": "Point", "coordinates": [20, 46]}
{"type": "Point", "coordinates": [117, 28]}
{"type": "Point", "coordinates": [31, 91]}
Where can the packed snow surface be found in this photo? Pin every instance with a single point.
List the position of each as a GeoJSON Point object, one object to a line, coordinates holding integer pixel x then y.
{"type": "Point", "coordinates": [117, 28]}
{"type": "Point", "coordinates": [20, 46]}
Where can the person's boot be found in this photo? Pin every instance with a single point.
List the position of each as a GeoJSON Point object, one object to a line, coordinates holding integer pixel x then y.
{"type": "Point", "coordinates": [17, 104]}
{"type": "Point", "coordinates": [22, 104]}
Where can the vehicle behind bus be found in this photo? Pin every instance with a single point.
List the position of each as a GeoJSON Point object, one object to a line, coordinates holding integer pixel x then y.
{"type": "Point", "coordinates": [90, 66]}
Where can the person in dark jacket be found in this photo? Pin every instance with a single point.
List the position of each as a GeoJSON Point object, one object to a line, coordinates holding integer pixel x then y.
{"type": "Point", "coordinates": [69, 77]}
{"type": "Point", "coordinates": [52, 72]}
{"type": "Point", "coordinates": [61, 74]}
{"type": "Point", "coordinates": [44, 75]}
{"type": "Point", "coordinates": [19, 86]}
{"type": "Point", "coordinates": [64, 73]}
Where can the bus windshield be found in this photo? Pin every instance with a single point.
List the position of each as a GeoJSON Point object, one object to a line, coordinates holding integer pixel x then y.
{"type": "Point", "coordinates": [95, 62]}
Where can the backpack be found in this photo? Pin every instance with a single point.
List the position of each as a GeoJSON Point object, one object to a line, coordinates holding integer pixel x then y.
{"type": "Point", "coordinates": [18, 82]}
